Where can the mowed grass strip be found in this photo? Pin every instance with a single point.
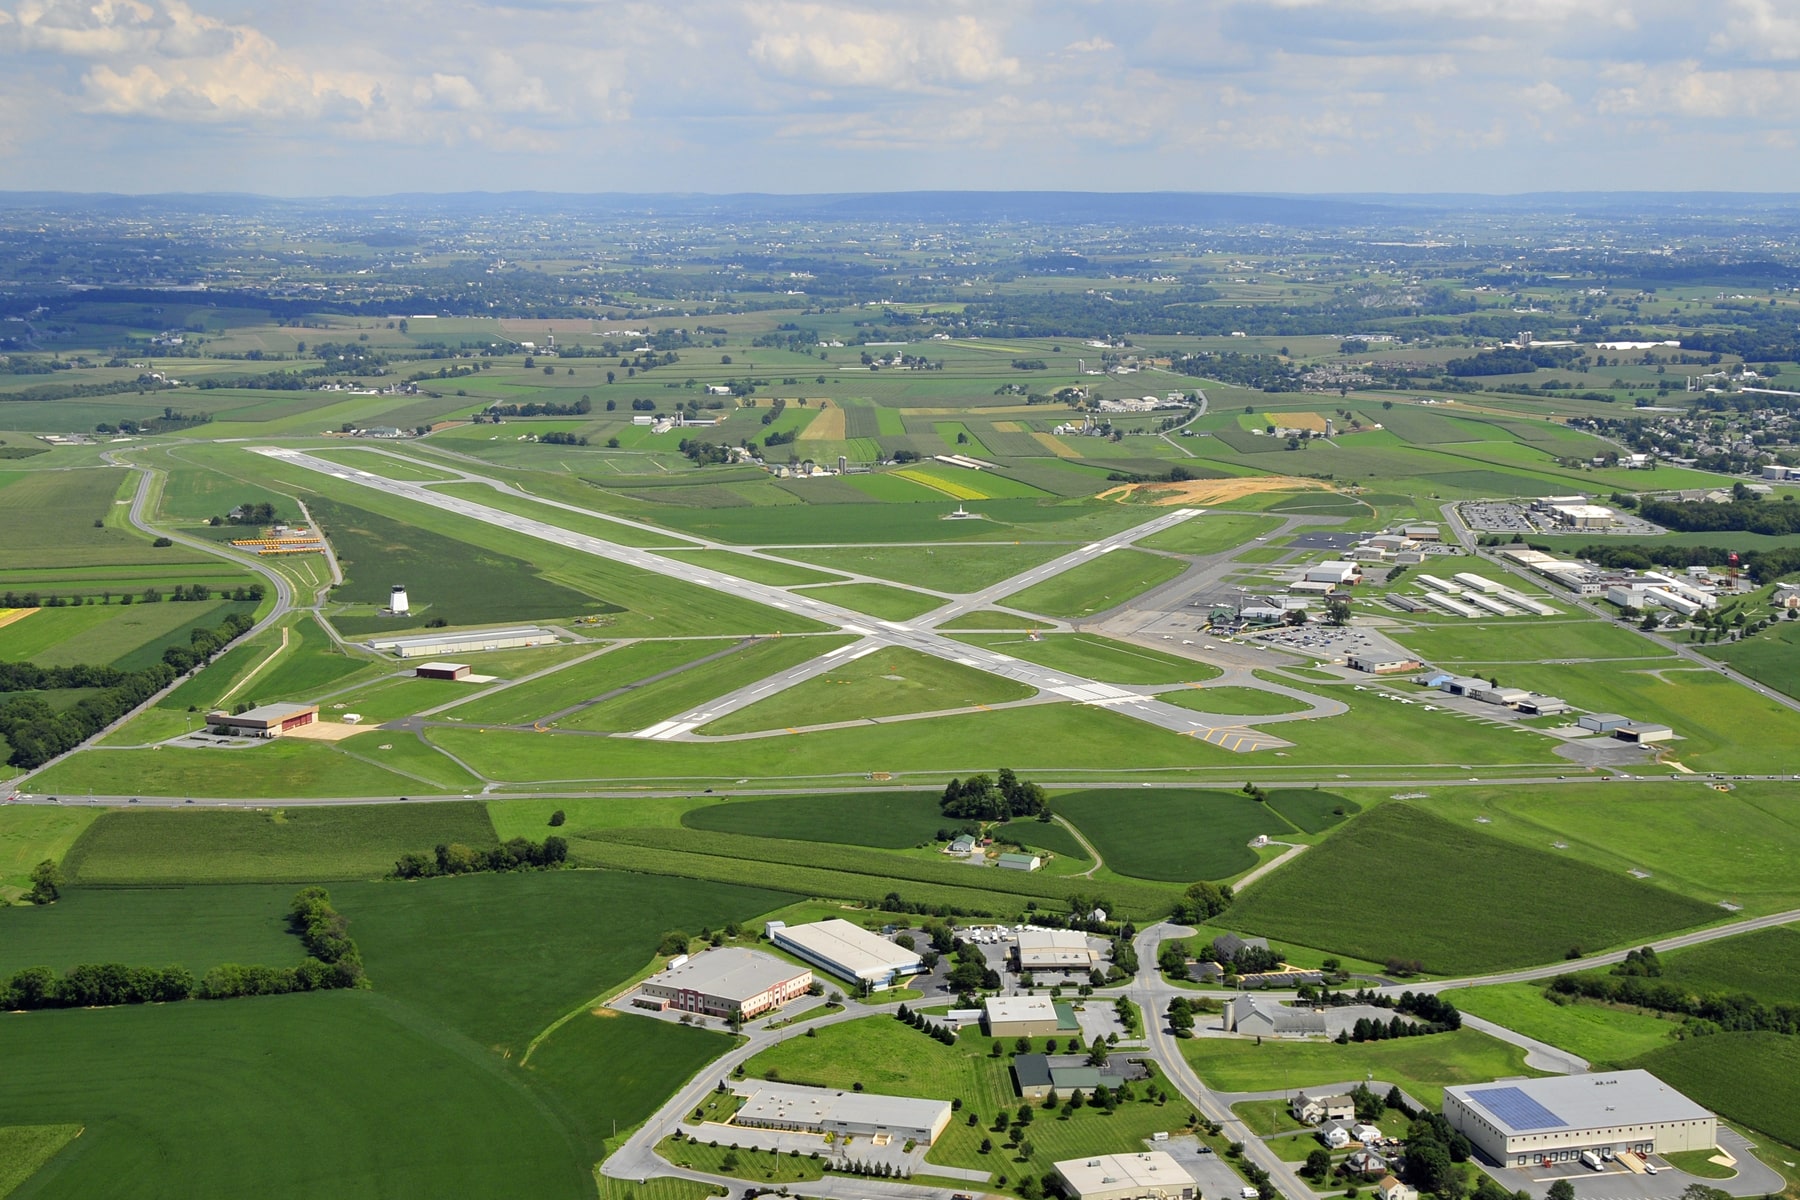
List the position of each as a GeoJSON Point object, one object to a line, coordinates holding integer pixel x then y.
{"type": "Point", "coordinates": [977, 893]}
{"type": "Point", "coordinates": [214, 1100]}
{"type": "Point", "coordinates": [875, 599]}
{"type": "Point", "coordinates": [1422, 1066]}
{"type": "Point", "coordinates": [884, 820]}
{"type": "Point", "coordinates": [890, 1058]}
{"type": "Point", "coordinates": [1170, 833]}
{"type": "Point", "coordinates": [1605, 1035]}
{"type": "Point", "coordinates": [659, 701]}
{"type": "Point", "coordinates": [1212, 533]}
{"type": "Point", "coordinates": [24, 1149]}
{"type": "Point", "coordinates": [31, 833]}
{"type": "Point", "coordinates": [1234, 701]}
{"type": "Point", "coordinates": [1752, 1078]}
{"type": "Point", "coordinates": [890, 682]}
{"type": "Point", "coordinates": [1102, 583]}
{"type": "Point", "coordinates": [1495, 905]}
{"type": "Point", "coordinates": [947, 568]}
{"type": "Point", "coordinates": [882, 866]}
{"type": "Point", "coordinates": [1095, 657]}
{"type": "Point", "coordinates": [297, 844]}
{"type": "Point", "coordinates": [579, 682]}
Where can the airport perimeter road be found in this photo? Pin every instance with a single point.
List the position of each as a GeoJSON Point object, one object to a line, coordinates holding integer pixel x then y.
{"type": "Point", "coordinates": [1231, 736]}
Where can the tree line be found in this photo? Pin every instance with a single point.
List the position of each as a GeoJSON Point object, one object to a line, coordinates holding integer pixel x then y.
{"type": "Point", "coordinates": [1745, 511]}
{"type": "Point", "coordinates": [1764, 566]}
{"type": "Point", "coordinates": [333, 962]}
{"type": "Point", "coordinates": [538, 408]}
{"type": "Point", "coordinates": [1735, 1012]}
{"type": "Point", "coordinates": [454, 858]}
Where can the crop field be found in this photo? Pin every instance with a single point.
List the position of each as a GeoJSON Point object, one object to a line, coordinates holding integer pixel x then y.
{"type": "Point", "coordinates": [1098, 658]}
{"type": "Point", "coordinates": [1098, 585]}
{"type": "Point", "coordinates": [1735, 846]}
{"type": "Point", "coordinates": [1310, 809]}
{"type": "Point", "coordinates": [1751, 1078]}
{"type": "Point", "coordinates": [1422, 1066]}
{"type": "Point", "coordinates": [1764, 964]}
{"type": "Point", "coordinates": [890, 682]}
{"type": "Point", "coordinates": [1551, 904]}
{"type": "Point", "coordinates": [1605, 1035]}
{"type": "Point", "coordinates": [31, 834]}
{"type": "Point", "coordinates": [1772, 658]}
{"type": "Point", "coordinates": [299, 844]}
{"type": "Point", "coordinates": [198, 927]}
{"type": "Point", "coordinates": [886, 820]}
{"type": "Point", "coordinates": [1199, 835]}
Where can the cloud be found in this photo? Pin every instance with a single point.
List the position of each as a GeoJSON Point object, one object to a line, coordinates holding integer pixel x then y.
{"type": "Point", "coordinates": [1756, 30]}
{"type": "Point", "coordinates": [846, 47]}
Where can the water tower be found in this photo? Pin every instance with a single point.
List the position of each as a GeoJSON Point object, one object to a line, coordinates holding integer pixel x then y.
{"type": "Point", "coordinates": [397, 601]}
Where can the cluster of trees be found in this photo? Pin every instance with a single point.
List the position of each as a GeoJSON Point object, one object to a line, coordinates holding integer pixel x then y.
{"type": "Point", "coordinates": [559, 438]}
{"type": "Point", "coordinates": [1510, 362]}
{"type": "Point", "coordinates": [775, 408]}
{"type": "Point", "coordinates": [170, 420]}
{"type": "Point", "coordinates": [1367, 1030]}
{"type": "Point", "coordinates": [204, 643]}
{"type": "Point", "coordinates": [1434, 1010]}
{"type": "Point", "coordinates": [1182, 1012]}
{"type": "Point", "coordinates": [258, 513]}
{"type": "Point", "coordinates": [971, 973]}
{"type": "Point", "coordinates": [333, 962]}
{"type": "Point", "coordinates": [943, 1033]}
{"type": "Point", "coordinates": [779, 437]}
{"type": "Point", "coordinates": [1248, 960]}
{"type": "Point", "coordinates": [1745, 511]}
{"type": "Point", "coordinates": [538, 408]}
{"type": "Point", "coordinates": [1201, 902]}
{"type": "Point", "coordinates": [705, 453]}
{"type": "Point", "coordinates": [1736, 1012]}
{"type": "Point", "coordinates": [454, 858]}
{"type": "Point", "coordinates": [38, 733]}
{"type": "Point", "coordinates": [1433, 1151]}
{"type": "Point", "coordinates": [894, 902]}
{"type": "Point", "coordinates": [980, 798]}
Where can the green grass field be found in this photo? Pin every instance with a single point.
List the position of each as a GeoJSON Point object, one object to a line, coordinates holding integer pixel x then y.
{"type": "Point", "coordinates": [299, 844]}
{"type": "Point", "coordinates": [585, 681]}
{"type": "Point", "coordinates": [1234, 701]}
{"type": "Point", "coordinates": [1310, 809]}
{"type": "Point", "coordinates": [659, 701]}
{"type": "Point", "coordinates": [890, 682]}
{"type": "Point", "coordinates": [1096, 586]}
{"type": "Point", "coordinates": [29, 834]}
{"type": "Point", "coordinates": [1197, 835]}
{"type": "Point", "coordinates": [1604, 1035]}
{"type": "Point", "coordinates": [1212, 533]}
{"type": "Point", "coordinates": [1095, 657]}
{"type": "Point", "coordinates": [24, 1149]}
{"type": "Point", "coordinates": [875, 599]}
{"type": "Point", "coordinates": [1772, 657]}
{"type": "Point", "coordinates": [408, 1109]}
{"type": "Point", "coordinates": [199, 927]}
{"type": "Point", "coordinates": [284, 767]}
{"type": "Point", "coordinates": [1550, 903]}
{"type": "Point", "coordinates": [945, 568]}
{"type": "Point", "coordinates": [1764, 964]}
{"type": "Point", "coordinates": [1422, 1067]}
{"type": "Point", "coordinates": [1752, 1078]}
{"type": "Point", "coordinates": [886, 820]}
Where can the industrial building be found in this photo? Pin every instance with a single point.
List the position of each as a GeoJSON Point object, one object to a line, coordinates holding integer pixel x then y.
{"type": "Point", "coordinates": [1037, 1075]}
{"type": "Point", "coordinates": [427, 645]}
{"type": "Point", "coordinates": [441, 670]}
{"type": "Point", "coordinates": [847, 951]}
{"type": "Point", "coordinates": [1027, 1016]}
{"type": "Point", "coordinates": [1584, 516]}
{"type": "Point", "coordinates": [718, 983]}
{"type": "Point", "coordinates": [1381, 664]}
{"type": "Point", "coordinates": [1335, 572]}
{"type": "Point", "coordinates": [845, 1114]}
{"type": "Point", "coordinates": [1053, 950]}
{"type": "Point", "coordinates": [1147, 1175]}
{"type": "Point", "coordinates": [1554, 1119]}
{"type": "Point", "coordinates": [264, 721]}
{"type": "Point", "coordinates": [1267, 1018]}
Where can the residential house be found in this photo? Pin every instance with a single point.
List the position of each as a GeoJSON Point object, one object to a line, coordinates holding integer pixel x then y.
{"type": "Point", "coordinates": [1314, 1109]}
{"type": "Point", "coordinates": [1392, 1189]}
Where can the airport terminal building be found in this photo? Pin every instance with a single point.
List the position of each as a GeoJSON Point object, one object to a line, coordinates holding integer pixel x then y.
{"type": "Point", "coordinates": [1525, 1122]}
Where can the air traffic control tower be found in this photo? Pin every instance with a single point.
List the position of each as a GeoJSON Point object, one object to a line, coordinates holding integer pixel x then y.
{"type": "Point", "coordinates": [397, 603]}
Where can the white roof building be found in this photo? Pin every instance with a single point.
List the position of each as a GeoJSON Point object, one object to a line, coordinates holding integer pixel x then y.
{"type": "Point", "coordinates": [1151, 1174]}
{"type": "Point", "coordinates": [1049, 949]}
{"type": "Point", "coordinates": [1521, 1122]}
{"type": "Point", "coordinates": [847, 951]}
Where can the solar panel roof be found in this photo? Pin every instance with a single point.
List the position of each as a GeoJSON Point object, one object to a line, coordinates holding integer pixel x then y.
{"type": "Point", "coordinates": [1517, 1110]}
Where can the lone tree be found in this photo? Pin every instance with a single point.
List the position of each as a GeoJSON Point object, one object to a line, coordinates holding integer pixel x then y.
{"type": "Point", "coordinates": [46, 883]}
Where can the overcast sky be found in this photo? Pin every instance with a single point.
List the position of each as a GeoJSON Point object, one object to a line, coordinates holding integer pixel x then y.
{"type": "Point", "coordinates": [329, 96]}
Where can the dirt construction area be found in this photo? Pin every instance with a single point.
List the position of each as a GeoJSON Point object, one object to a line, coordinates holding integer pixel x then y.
{"type": "Point", "coordinates": [1312, 422]}
{"type": "Point", "coordinates": [1210, 491]}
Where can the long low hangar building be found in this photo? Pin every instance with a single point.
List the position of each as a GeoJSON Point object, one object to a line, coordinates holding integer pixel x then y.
{"type": "Point", "coordinates": [1527, 1121]}
{"type": "Point", "coordinates": [847, 1114]}
{"type": "Point", "coordinates": [847, 951]}
{"type": "Point", "coordinates": [723, 981]}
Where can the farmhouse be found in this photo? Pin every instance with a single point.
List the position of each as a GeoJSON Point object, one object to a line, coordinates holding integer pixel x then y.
{"type": "Point", "coordinates": [1053, 950]}
{"type": "Point", "coordinates": [1148, 1175]}
{"type": "Point", "coordinates": [1027, 1016]}
{"type": "Point", "coordinates": [264, 721]}
{"type": "Point", "coordinates": [847, 951]}
{"type": "Point", "coordinates": [441, 670]}
{"type": "Point", "coordinates": [1266, 1018]}
{"type": "Point", "coordinates": [1555, 1119]}
{"type": "Point", "coordinates": [846, 1114]}
{"type": "Point", "coordinates": [720, 982]}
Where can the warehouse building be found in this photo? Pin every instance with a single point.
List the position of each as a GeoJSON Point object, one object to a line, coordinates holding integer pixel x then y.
{"type": "Point", "coordinates": [1384, 664]}
{"type": "Point", "coordinates": [847, 951]}
{"type": "Point", "coordinates": [441, 670]}
{"type": "Point", "coordinates": [1147, 1175]}
{"type": "Point", "coordinates": [720, 982]}
{"type": "Point", "coordinates": [264, 721]}
{"type": "Point", "coordinates": [845, 1114]}
{"type": "Point", "coordinates": [1268, 1018]}
{"type": "Point", "coordinates": [1027, 1016]}
{"type": "Point", "coordinates": [1532, 1121]}
{"type": "Point", "coordinates": [1053, 950]}
{"type": "Point", "coordinates": [470, 641]}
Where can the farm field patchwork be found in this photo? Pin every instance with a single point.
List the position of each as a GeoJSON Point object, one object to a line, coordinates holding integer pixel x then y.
{"type": "Point", "coordinates": [1552, 904]}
